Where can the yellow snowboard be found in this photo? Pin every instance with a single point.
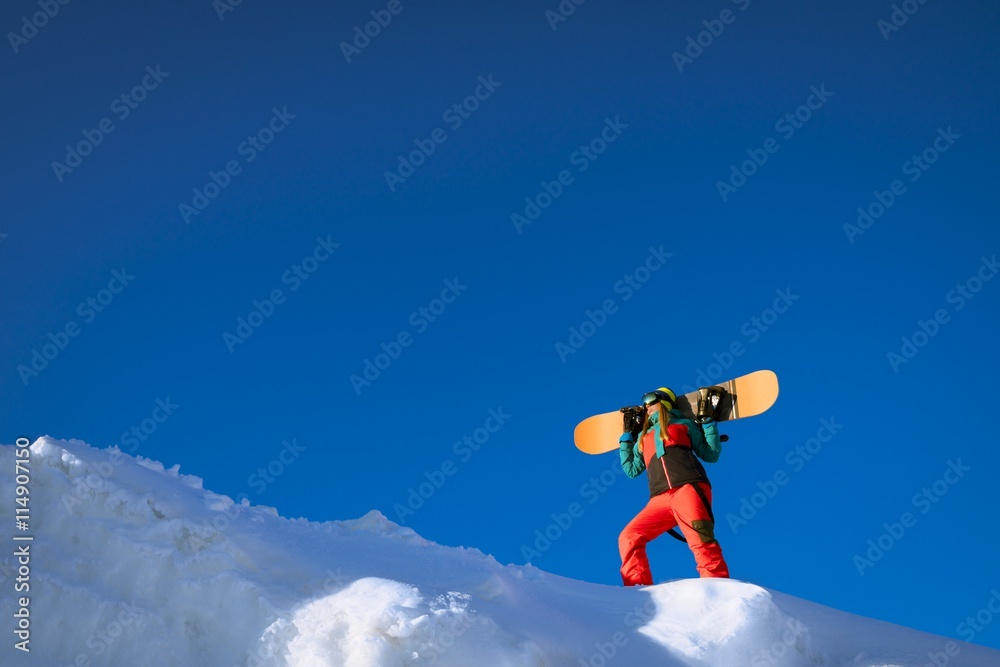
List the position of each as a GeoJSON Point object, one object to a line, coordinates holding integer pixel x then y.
{"type": "Point", "coordinates": [746, 396]}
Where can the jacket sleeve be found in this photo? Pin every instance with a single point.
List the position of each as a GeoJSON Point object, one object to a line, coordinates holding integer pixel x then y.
{"type": "Point", "coordinates": [705, 441]}
{"type": "Point", "coordinates": [632, 462]}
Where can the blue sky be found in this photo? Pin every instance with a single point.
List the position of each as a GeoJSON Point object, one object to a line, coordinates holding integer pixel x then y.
{"type": "Point", "coordinates": [215, 218]}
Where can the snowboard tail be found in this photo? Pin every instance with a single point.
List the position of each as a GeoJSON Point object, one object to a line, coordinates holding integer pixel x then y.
{"type": "Point", "coordinates": [745, 396]}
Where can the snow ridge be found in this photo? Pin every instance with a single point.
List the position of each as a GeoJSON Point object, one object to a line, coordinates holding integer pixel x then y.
{"type": "Point", "coordinates": [134, 563]}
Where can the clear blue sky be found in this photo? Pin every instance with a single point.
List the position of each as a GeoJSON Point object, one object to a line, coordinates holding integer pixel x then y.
{"type": "Point", "coordinates": [680, 199]}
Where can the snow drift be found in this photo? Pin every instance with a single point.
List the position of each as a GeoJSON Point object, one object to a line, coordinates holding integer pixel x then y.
{"type": "Point", "coordinates": [134, 564]}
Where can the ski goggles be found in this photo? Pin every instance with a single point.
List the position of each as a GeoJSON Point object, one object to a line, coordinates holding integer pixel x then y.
{"type": "Point", "coordinates": [655, 397]}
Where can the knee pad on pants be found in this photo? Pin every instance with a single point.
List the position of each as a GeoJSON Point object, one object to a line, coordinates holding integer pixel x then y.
{"type": "Point", "coordinates": [705, 529]}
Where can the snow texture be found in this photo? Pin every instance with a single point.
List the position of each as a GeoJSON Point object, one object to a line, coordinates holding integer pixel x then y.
{"type": "Point", "coordinates": [136, 564]}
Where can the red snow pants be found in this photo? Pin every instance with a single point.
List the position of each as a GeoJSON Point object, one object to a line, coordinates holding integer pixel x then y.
{"type": "Point", "coordinates": [678, 506]}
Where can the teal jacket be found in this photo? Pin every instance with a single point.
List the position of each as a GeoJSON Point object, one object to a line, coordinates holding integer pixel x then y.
{"type": "Point", "coordinates": [704, 442]}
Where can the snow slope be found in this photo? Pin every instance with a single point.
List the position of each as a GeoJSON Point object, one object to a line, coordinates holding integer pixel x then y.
{"type": "Point", "coordinates": [134, 564]}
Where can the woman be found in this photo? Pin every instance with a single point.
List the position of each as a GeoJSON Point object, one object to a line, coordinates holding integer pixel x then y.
{"type": "Point", "coordinates": [665, 444]}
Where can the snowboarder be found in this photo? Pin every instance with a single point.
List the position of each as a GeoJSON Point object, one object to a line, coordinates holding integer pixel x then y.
{"type": "Point", "coordinates": [661, 441]}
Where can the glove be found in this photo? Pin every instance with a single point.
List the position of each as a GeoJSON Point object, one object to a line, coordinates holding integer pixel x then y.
{"type": "Point", "coordinates": [632, 419]}
{"type": "Point", "coordinates": [709, 402]}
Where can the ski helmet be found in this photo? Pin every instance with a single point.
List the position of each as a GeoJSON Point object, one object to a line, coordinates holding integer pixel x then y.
{"type": "Point", "coordinates": [661, 395]}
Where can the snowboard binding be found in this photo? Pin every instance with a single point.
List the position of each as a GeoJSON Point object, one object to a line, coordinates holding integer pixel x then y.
{"type": "Point", "coordinates": [632, 418]}
{"type": "Point", "coordinates": [709, 403]}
